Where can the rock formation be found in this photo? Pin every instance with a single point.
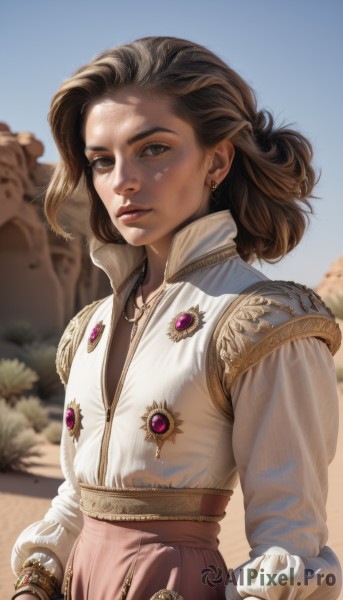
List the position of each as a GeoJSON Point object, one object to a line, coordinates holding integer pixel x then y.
{"type": "Point", "coordinates": [45, 279]}
{"type": "Point", "coordinates": [331, 286]}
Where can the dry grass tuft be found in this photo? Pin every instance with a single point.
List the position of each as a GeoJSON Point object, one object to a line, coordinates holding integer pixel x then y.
{"type": "Point", "coordinates": [53, 433]}
{"type": "Point", "coordinates": [15, 378]}
{"type": "Point", "coordinates": [33, 410]}
{"type": "Point", "coordinates": [41, 358]}
{"type": "Point", "coordinates": [18, 444]}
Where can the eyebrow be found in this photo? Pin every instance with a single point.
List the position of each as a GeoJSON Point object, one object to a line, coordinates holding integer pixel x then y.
{"type": "Point", "coordinates": [135, 138]}
{"type": "Point", "coordinates": [144, 134]}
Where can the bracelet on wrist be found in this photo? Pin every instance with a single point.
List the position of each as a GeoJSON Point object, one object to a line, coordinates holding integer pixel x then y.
{"type": "Point", "coordinates": [31, 589]}
{"type": "Point", "coordinates": [42, 582]}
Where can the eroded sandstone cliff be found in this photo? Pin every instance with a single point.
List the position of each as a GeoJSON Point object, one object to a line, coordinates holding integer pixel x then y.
{"type": "Point", "coordinates": [45, 279]}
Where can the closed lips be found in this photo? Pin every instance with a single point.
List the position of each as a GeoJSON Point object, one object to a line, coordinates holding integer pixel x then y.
{"type": "Point", "coordinates": [130, 209]}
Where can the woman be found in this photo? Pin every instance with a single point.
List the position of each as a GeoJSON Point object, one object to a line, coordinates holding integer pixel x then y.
{"type": "Point", "coordinates": [198, 370]}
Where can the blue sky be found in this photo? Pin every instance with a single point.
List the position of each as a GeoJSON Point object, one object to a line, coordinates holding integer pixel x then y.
{"type": "Point", "coordinates": [290, 52]}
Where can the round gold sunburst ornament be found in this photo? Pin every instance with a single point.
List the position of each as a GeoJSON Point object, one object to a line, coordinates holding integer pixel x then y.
{"type": "Point", "coordinates": [73, 420]}
{"type": "Point", "coordinates": [186, 323]}
{"type": "Point", "coordinates": [160, 425]}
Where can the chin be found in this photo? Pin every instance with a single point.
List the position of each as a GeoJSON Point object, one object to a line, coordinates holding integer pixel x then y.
{"type": "Point", "coordinates": [137, 237]}
{"type": "Point", "coordinates": [149, 235]}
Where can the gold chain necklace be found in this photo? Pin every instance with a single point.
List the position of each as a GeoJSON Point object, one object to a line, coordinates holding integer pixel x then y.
{"type": "Point", "coordinates": [143, 308]}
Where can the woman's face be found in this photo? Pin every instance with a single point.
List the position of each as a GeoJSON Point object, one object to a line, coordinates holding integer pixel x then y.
{"type": "Point", "coordinates": [147, 166]}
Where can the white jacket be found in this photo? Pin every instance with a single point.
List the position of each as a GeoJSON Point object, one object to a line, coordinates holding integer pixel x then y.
{"type": "Point", "coordinates": [250, 394]}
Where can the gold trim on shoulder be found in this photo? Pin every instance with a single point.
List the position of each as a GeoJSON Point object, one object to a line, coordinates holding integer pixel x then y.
{"type": "Point", "coordinates": [160, 425]}
{"type": "Point", "coordinates": [258, 321]}
{"type": "Point", "coordinates": [71, 339]}
{"type": "Point", "coordinates": [73, 420]}
{"type": "Point", "coordinates": [186, 323]}
{"type": "Point", "coordinates": [95, 336]}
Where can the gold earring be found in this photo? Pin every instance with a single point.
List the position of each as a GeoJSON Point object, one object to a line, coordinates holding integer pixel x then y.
{"type": "Point", "coordinates": [213, 185]}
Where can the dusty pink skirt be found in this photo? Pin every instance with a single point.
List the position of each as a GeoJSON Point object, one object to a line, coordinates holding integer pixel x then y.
{"type": "Point", "coordinates": [115, 561]}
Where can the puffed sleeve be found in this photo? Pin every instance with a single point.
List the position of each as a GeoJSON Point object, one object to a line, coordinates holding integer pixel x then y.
{"type": "Point", "coordinates": [284, 436]}
{"type": "Point", "coordinates": [51, 539]}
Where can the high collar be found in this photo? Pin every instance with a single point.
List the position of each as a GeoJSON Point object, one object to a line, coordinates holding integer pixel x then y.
{"type": "Point", "coordinates": [206, 236]}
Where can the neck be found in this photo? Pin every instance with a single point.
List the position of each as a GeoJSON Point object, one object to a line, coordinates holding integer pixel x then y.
{"type": "Point", "coordinates": [156, 264]}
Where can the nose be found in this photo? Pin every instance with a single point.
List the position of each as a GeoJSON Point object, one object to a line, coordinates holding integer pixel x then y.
{"type": "Point", "coordinates": [125, 178]}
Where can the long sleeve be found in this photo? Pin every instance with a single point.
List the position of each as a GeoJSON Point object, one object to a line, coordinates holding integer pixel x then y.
{"type": "Point", "coordinates": [284, 436]}
{"type": "Point", "coordinates": [51, 539]}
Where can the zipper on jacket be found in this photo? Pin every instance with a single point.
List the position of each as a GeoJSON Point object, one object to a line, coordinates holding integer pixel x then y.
{"type": "Point", "coordinates": [110, 408]}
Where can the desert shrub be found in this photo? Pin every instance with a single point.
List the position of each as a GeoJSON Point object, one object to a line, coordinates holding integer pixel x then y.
{"type": "Point", "coordinates": [53, 432]}
{"type": "Point", "coordinates": [31, 407]}
{"type": "Point", "coordinates": [336, 305]}
{"type": "Point", "coordinates": [15, 378]}
{"type": "Point", "coordinates": [41, 358]}
{"type": "Point", "coordinates": [339, 374]}
{"type": "Point", "coordinates": [18, 444]}
{"type": "Point", "coordinates": [20, 333]}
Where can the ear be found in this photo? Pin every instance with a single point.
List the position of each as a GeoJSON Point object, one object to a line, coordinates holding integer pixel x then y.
{"type": "Point", "coordinates": [220, 158]}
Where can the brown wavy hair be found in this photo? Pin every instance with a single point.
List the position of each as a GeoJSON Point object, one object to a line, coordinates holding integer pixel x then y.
{"type": "Point", "coordinates": [271, 178]}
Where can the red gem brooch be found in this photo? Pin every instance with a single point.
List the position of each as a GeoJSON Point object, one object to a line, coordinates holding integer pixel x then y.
{"type": "Point", "coordinates": [160, 425]}
{"type": "Point", "coordinates": [73, 420]}
{"type": "Point", "coordinates": [95, 336]}
{"type": "Point", "coordinates": [186, 323]}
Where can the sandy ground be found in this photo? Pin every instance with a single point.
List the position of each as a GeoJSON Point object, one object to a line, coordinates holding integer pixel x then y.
{"type": "Point", "coordinates": [25, 497]}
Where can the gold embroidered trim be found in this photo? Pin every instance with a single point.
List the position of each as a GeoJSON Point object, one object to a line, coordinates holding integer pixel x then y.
{"type": "Point", "coordinates": [260, 320]}
{"type": "Point", "coordinates": [69, 572]}
{"type": "Point", "coordinates": [71, 339]}
{"type": "Point", "coordinates": [129, 577]}
{"type": "Point", "coordinates": [166, 595]}
{"type": "Point", "coordinates": [147, 504]}
{"type": "Point", "coordinates": [206, 261]}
